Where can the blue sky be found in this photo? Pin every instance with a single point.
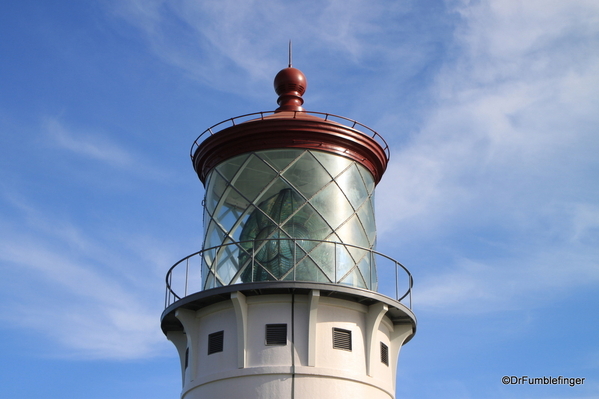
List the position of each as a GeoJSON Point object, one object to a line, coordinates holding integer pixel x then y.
{"type": "Point", "coordinates": [491, 198]}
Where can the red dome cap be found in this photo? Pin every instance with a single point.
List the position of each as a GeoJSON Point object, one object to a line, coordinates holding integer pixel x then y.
{"type": "Point", "coordinates": [290, 84]}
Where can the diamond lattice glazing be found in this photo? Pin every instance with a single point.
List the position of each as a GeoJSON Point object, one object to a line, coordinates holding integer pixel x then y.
{"type": "Point", "coordinates": [289, 214]}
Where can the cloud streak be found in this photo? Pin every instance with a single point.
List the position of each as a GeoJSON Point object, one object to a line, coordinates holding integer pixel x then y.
{"type": "Point", "coordinates": [78, 291]}
{"type": "Point", "coordinates": [87, 144]}
{"type": "Point", "coordinates": [237, 46]}
{"type": "Point", "coordinates": [508, 151]}
{"type": "Point", "coordinates": [100, 147]}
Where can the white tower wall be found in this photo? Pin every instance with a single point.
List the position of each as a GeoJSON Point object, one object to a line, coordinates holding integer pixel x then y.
{"type": "Point", "coordinates": [307, 365]}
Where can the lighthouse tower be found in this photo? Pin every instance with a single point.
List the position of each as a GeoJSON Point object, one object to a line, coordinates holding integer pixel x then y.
{"type": "Point", "coordinates": [283, 299]}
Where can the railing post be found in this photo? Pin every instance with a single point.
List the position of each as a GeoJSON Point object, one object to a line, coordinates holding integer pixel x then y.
{"type": "Point", "coordinates": [170, 287]}
{"type": "Point", "coordinates": [186, 274]}
{"type": "Point", "coordinates": [335, 260]}
{"type": "Point", "coordinates": [166, 298]}
{"type": "Point", "coordinates": [371, 268]}
{"type": "Point", "coordinates": [200, 255]}
{"type": "Point", "coordinates": [410, 288]}
{"type": "Point", "coordinates": [396, 281]}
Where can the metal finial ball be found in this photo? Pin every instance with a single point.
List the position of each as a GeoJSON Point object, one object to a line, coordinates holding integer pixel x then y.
{"type": "Point", "coordinates": [290, 84]}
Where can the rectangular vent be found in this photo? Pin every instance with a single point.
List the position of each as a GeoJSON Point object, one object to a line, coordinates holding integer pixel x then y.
{"type": "Point", "coordinates": [276, 334]}
{"type": "Point", "coordinates": [215, 342]}
{"type": "Point", "coordinates": [186, 357]}
{"type": "Point", "coordinates": [341, 339]}
{"type": "Point", "coordinates": [384, 354]}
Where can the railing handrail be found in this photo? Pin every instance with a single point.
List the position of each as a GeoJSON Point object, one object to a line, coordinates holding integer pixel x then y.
{"type": "Point", "coordinates": [247, 117]}
{"type": "Point", "coordinates": [170, 293]}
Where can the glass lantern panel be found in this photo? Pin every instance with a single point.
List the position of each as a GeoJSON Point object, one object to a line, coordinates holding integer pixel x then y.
{"type": "Point", "coordinates": [215, 190]}
{"type": "Point", "coordinates": [367, 178]}
{"type": "Point", "coordinates": [227, 217]}
{"type": "Point", "coordinates": [305, 222]}
{"type": "Point", "coordinates": [354, 279]}
{"type": "Point", "coordinates": [366, 215]}
{"type": "Point", "coordinates": [308, 270]}
{"type": "Point", "coordinates": [251, 180]}
{"type": "Point", "coordinates": [307, 175]}
{"type": "Point", "coordinates": [322, 254]}
{"type": "Point", "coordinates": [230, 167]}
{"type": "Point", "coordinates": [332, 205]}
{"type": "Point", "coordinates": [280, 159]}
{"type": "Point", "coordinates": [352, 184]}
{"type": "Point", "coordinates": [344, 262]}
{"type": "Point", "coordinates": [365, 268]}
{"type": "Point", "coordinates": [334, 164]}
{"type": "Point", "coordinates": [227, 264]}
{"type": "Point", "coordinates": [353, 233]}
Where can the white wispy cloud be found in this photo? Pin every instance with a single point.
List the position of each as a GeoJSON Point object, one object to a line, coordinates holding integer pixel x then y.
{"type": "Point", "coordinates": [513, 129]}
{"type": "Point", "coordinates": [232, 45]}
{"type": "Point", "coordinates": [509, 146]}
{"type": "Point", "coordinates": [508, 283]}
{"type": "Point", "coordinates": [99, 146]}
{"type": "Point", "coordinates": [94, 299]}
{"type": "Point", "coordinates": [87, 144]}
{"type": "Point", "coordinates": [90, 314]}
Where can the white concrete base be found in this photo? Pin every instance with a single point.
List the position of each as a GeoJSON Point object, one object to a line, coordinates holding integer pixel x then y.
{"type": "Point", "coordinates": [307, 366]}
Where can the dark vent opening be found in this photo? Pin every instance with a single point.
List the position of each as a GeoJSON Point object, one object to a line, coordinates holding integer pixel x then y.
{"type": "Point", "coordinates": [288, 87]}
{"type": "Point", "coordinates": [215, 342]}
{"type": "Point", "coordinates": [341, 339]}
{"type": "Point", "coordinates": [276, 334]}
{"type": "Point", "coordinates": [384, 354]}
{"type": "Point", "coordinates": [186, 357]}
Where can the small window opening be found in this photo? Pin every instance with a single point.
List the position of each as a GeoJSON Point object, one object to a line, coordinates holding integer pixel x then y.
{"type": "Point", "coordinates": [276, 334]}
{"type": "Point", "coordinates": [342, 339]}
{"type": "Point", "coordinates": [215, 342]}
{"type": "Point", "coordinates": [186, 357]}
{"type": "Point", "coordinates": [384, 354]}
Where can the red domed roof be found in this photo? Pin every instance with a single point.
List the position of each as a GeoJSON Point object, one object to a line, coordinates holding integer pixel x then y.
{"type": "Point", "coordinates": [290, 84]}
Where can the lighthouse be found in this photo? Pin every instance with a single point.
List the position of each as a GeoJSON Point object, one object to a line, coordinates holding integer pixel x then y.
{"type": "Point", "coordinates": [288, 297]}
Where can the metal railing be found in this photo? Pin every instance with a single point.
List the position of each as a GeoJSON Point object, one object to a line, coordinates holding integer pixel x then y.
{"type": "Point", "coordinates": [188, 276]}
{"type": "Point", "coordinates": [261, 115]}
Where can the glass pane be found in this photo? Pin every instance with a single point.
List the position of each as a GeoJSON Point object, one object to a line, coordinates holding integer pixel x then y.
{"type": "Point", "coordinates": [207, 259]}
{"type": "Point", "coordinates": [344, 263]}
{"type": "Point", "coordinates": [252, 179]}
{"type": "Point", "coordinates": [367, 177]}
{"type": "Point", "coordinates": [280, 159]}
{"type": "Point", "coordinates": [352, 233]}
{"type": "Point", "coordinates": [307, 175]}
{"type": "Point", "coordinates": [352, 185]}
{"type": "Point", "coordinates": [307, 270]}
{"type": "Point", "coordinates": [214, 191]}
{"type": "Point", "coordinates": [227, 265]}
{"type": "Point", "coordinates": [354, 279]}
{"type": "Point", "coordinates": [235, 232]}
{"type": "Point", "coordinates": [365, 267]}
{"type": "Point", "coordinates": [332, 205]}
{"type": "Point", "coordinates": [210, 281]}
{"type": "Point", "coordinates": [305, 222]}
{"type": "Point", "coordinates": [334, 164]}
{"type": "Point", "coordinates": [214, 236]}
{"type": "Point", "coordinates": [229, 168]}
{"type": "Point", "coordinates": [366, 215]}
{"type": "Point", "coordinates": [323, 255]}
{"type": "Point", "coordinates": [227, 217]}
